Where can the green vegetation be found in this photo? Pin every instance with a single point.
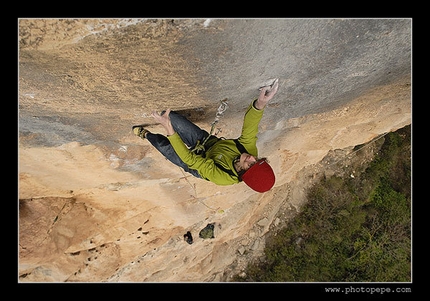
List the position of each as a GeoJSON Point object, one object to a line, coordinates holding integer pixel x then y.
{"type": "Point", "coordinates": [355, 229]}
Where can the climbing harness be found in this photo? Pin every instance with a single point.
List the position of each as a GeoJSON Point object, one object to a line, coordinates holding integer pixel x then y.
{"type": "Point", "coordinates": [200, 147]}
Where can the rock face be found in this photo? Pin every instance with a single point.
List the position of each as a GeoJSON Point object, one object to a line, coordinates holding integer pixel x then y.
{"type": "Point", "coordinates": [98, 204]}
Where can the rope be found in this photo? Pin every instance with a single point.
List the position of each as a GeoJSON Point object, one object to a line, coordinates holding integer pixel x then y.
{"type": "Point", "coordinates": [200, 147]}
{"type": "Point", "coordinates": [369, 143]}
{"type": "Point", "coordinates": [364, 146]}
{"type": "Point", "coordinates": [200, 200]}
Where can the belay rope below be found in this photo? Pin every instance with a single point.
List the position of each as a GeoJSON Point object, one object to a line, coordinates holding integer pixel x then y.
{"type": "Point", "coordinates": [200, 147]}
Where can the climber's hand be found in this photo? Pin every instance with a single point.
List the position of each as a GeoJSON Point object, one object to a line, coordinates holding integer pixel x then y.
{"type": "Point", "coordinates": [266, 94]}
{"type": "Point", "coordinates": [164, 120]}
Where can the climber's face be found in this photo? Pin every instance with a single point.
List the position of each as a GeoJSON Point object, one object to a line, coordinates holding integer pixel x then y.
{"type": "Point", "coordinates": [244, 162]}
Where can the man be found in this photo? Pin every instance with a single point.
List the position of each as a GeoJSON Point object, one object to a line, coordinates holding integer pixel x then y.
{"type": "Point", "coordinates": [223, 161]}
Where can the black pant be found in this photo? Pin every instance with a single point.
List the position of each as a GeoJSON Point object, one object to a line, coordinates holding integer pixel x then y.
{"type": "Point", "coordinates": [189, 133]}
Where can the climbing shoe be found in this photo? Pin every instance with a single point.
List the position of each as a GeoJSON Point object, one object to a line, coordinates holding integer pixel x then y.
{"type": "Point", "coordinates": [139, 131]}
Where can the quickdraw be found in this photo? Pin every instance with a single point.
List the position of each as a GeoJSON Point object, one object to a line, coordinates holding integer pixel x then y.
{"type": "Point", "coordinates": [200, 146]}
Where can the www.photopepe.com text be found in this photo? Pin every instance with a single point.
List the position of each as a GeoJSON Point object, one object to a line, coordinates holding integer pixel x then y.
{"type": "Point", "coordinates": [367, 290]}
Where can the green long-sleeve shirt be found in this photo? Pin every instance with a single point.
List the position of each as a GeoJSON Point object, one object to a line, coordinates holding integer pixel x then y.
{"type": "Point", "coordinates": [223, 152]}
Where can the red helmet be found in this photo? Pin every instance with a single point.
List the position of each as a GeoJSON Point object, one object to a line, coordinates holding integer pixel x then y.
{"type": "Point", "coordinates": [259, 176]}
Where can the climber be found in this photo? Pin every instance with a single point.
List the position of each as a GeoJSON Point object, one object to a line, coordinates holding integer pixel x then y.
{"type": "Point", "coordinates": [223, 161]}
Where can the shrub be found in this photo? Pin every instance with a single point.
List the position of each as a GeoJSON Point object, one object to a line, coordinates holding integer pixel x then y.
{"type": "Point", "coordinates": [353, 229]}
